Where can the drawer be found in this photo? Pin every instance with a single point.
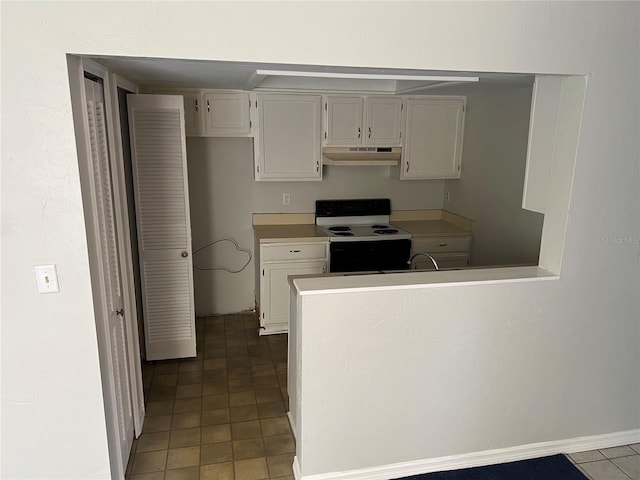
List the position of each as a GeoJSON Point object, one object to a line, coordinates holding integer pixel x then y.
{"type": "Point", "coordinates": [444, 261]}
{"type": "Point", "coordinates": [441, 244]}
{"type": "Point", "coordinates": [293, 251]}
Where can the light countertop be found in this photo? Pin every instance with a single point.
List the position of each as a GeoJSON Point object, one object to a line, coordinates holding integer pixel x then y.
{"type": "Point", "coordinates": [274, 228]}
{"type": "Point", "coordinates": [411, 279]}
{"type": "Point", "coordinates": [430, 228]}
{"type": "Point", "coordinates": [289, 233]}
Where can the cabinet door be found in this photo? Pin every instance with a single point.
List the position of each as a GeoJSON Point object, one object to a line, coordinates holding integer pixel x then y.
{"type": "Point", "coordinates": [192, 113]}
{"type": "Point", "coordinates": [383, 122]}
{"type": "Point", "coordinates": [441, 244]}
{"type": "Point", "coordinates": [226, 114]}
{"type": "Point", "coordinates": [444, 261]}
{"type": "Point", "coordinates": [344, 121]}
{"type": "Point", "coordinates": [274, 296]}
{"type": "Point", "coordinates": [433, 143]}
{"type": "Point", "coordinates": [289, 138]}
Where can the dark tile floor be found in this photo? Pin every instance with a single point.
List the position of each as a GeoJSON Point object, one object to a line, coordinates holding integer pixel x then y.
{"type": "Point", "coordinates": [221, 415]}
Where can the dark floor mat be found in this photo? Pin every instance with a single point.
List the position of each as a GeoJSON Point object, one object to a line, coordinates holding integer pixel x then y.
{"type": "Point", "coordinates": [556, 467]}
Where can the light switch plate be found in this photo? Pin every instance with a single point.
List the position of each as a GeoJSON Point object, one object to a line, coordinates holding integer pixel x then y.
{"type": "Point", "coordinates": [47, 279]}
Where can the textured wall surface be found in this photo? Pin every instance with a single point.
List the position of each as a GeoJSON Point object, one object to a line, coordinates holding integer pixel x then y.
{"type": "Point", "coordinates": [53, 420]}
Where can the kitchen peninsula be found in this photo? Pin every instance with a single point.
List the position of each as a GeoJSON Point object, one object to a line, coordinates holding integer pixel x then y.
{"type": "Point", "coordinates": [291, 244]}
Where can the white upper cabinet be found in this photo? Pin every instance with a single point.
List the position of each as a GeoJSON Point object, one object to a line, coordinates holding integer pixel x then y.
{"type": "Point", "coordinates": [192, 110]}
{"type": "Point", "coordinates": [288, 143]}
{"type": "Point", "coordinates": [433, 138]}
{"type": "Point", "coordinates": [374, 121]}
{"type": "Point", "coordinates": [226, 114]}
{"type": "Point", "coordinates": [383, 121]}
{"type": "Point", "coordinates": [192, 113]}
{"type": "Point", "coordinates": [343, 121]}
{"type": "Point", "coordinates": [209, 113]}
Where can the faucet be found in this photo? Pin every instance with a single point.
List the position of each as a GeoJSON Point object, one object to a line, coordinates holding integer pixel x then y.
{"type": "Point", "coordinates": [420, 254]}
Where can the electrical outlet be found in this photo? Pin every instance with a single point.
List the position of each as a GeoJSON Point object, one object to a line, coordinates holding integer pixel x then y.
{"type": "Point", "coordinates": [447, 196]}
{"type": "Point", "coordinates": [47, 279]}
{"type": "Point", "coordinates": [286, 198]}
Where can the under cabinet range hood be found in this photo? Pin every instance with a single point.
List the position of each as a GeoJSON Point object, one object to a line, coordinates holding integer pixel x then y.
{"type": "Point", "coordinates": [361, 156]}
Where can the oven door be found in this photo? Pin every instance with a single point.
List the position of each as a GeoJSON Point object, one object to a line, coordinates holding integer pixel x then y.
{"type": "Point", "coordinates": [368, 256]}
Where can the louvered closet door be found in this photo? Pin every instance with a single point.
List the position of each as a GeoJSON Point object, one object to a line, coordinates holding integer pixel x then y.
{"type": "Point", "coordinates": [158, 149]}
{"type": "Point", "coordinates": [105, 218]}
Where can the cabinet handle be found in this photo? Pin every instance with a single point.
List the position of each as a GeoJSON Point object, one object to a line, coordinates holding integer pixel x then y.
{"type": "Point", "coordinates": [294, 251]}
{"type": "Point", "coordinates": [208, 106]}
{"type": "Point", "coordinates": [358, 133]}
{"type": "Point", "coordinates": [407, 167]}
{"type": "Point", "coordinates": [196, 100]}
{"type": "Point", "coordinates": [317, 166]}
{"type": "Point", "coordinates": [369, 132]}
{"type": "Point", "coordinates": [442, 244]}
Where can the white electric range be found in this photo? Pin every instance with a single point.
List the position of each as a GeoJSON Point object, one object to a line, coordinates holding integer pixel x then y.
{"type": "Point", "coordinates": [360, 236]}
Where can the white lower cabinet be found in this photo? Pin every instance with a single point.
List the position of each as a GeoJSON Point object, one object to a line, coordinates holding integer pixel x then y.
{"type": "Point", "coordinates": [448, 252]}
{"type": "Point", "coordinates": [277, 262]}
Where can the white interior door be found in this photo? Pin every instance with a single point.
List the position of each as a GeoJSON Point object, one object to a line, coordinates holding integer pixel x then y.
{"type": "Point", "coordinates": [102, 183]}
{"type": "Point", "coordinates": [158, 151]}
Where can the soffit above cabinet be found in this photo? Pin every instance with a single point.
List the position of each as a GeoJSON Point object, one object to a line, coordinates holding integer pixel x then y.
{"type": "Point", "coordinates": [203, 74]}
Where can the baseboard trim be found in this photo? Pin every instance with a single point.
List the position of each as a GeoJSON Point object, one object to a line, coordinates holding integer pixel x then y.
{"type": "Point", "coordinates": [476, 459]}
{"type": "Point", "coordinates": [292, 424]}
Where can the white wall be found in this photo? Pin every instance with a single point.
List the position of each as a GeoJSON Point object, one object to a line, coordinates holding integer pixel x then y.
{"type": "Point", "coordinates": [490, 188]}
{"type": "Point", "coordinates": [408, 375]}
{"type": "Point", "coordinates": [53, 421]}
{"type": "Point", "coordinates": [223, 197]}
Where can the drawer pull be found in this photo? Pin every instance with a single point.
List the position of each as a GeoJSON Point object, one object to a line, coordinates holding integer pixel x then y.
{"type": "Point", "coordinates": [294, 251]}
{"type": "Point", "coordinates": [443, 244]}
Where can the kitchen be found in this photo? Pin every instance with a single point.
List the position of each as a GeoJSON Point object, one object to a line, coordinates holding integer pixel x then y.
{"type": "Point", "coordinates": [224, 195]}
{"type": "Point", "coordinates": [410, 215]}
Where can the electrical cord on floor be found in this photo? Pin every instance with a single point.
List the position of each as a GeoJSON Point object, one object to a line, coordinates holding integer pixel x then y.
{"type": "Point", "coordinates": [244, 250]}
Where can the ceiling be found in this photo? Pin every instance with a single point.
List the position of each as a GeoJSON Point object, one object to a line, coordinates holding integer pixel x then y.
{"type": "Point", "coordinates": [246, 76]}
